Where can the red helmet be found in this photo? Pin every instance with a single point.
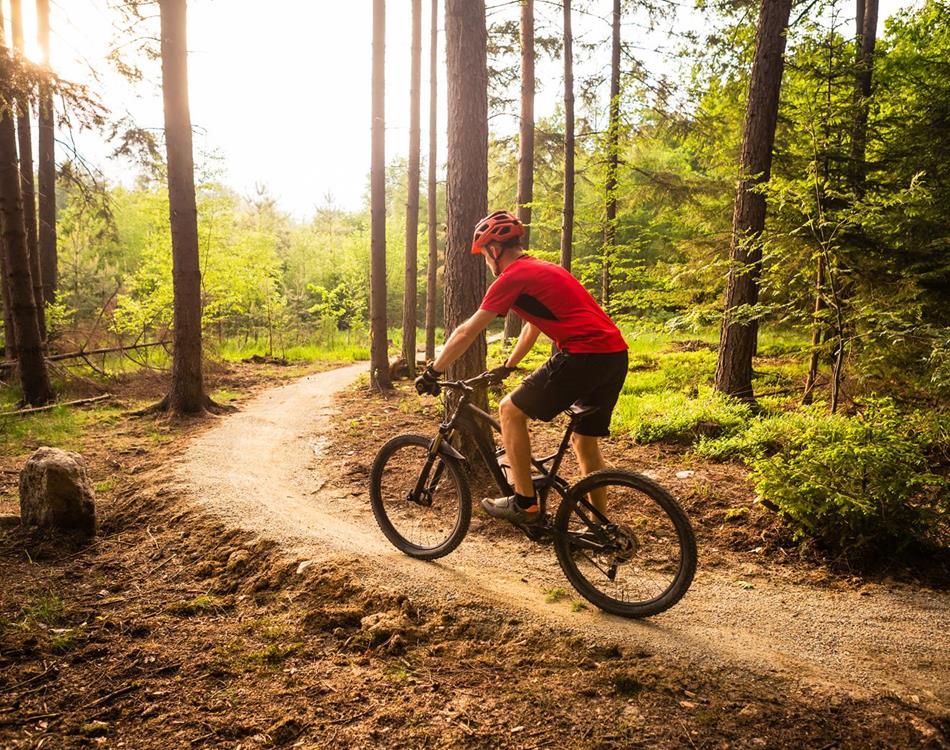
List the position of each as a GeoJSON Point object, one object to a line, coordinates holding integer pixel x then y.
{"type": "Point", "coordinates": [500, 226]}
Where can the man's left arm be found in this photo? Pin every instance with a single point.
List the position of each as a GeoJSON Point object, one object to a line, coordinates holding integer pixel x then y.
{"type": "Point", "coordinates": [462, 338]}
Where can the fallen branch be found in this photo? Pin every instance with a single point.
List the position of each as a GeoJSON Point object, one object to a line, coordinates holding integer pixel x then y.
{"type": "Point", "coordinates": [84, 353]}
{"type": "Point", "coordinates": [77, 402]}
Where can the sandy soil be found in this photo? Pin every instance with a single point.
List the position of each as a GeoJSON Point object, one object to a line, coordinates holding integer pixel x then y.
{"type": "Point", "coordinates": [267, 470]}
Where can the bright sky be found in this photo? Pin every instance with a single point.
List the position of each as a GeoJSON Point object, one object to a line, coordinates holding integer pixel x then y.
{"type": "Point", "coordinates": [281, 90]}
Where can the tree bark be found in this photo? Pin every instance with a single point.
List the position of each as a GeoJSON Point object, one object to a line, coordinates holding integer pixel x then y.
{"type": "Point", "coordinates": [467, 173]}
{"type": "Point", "coordinates": [613, 160]}
{"type": "Point", "coordinates": [412, 203]}
{"type": "Point", "coordinates": [567, 212]}
{"type": "Point", "coordinates": [9, 335]}
{"type": "Point", "coordinates": [813, 359]}
{"type": "Point", "coordinates": [432, 187]}
{"type": "Point", "coordinates": [737, 339]}
{"type": "Point", "coordinates": [46, 167]}
{"type": "Point", "coordinates": [187, 395]}
{"type": "Point", "coordinates": [866, 20]}
{"type": "Point", "coordinates": [31, 366]}
{"type": "Point", "coordinates": [27, 191]}
{"type": "Point", "coordinates": [525, 140]}
{"type": "Point", "coordinates": [379, 351]}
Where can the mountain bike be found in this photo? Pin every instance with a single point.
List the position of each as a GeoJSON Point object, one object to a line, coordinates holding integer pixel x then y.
{"type": "Point", "coordinates": [634, 558]}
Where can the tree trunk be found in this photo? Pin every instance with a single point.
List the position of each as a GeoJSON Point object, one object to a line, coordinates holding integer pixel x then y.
{"type": "Point", "coordinates": [812, 374]}
{"type": "Point", "coordinates": [379, 351]}
{"type": "Point", "coordinates": [737, 339]}
{"type": "Point", "coordinates": [567, 213]}
{"type": "Point", "coordinates": [9, 336]}
{"type": "Point", "coordinates": [866, 20]}
{"type": "Point", "coordinates": [412, 203]}
{"type": "Point", "coordinates": [46, 167]}
{"type": "Point", "coordinates": [25, 138]}
{"type": "Point", "coordinates": [467, 175]}
{"type": "Point", "coordinates": [613, 161]}
{"type": "Point", "coordinates": [525, 140]}
{"type": "Point", "coordinates": [187, 395]}
{"type": "Point", "coordinates": [432, 188]}
{"type": "Point", "coordinates": [31, 366]}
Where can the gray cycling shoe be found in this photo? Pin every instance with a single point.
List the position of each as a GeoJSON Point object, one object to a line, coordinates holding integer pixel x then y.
{"type": "Point", "coordinates": [507, 509]}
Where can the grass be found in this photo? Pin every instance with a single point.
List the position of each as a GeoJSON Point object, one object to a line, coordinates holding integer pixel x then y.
{"type": "Point", "coordinates": [61, 427]}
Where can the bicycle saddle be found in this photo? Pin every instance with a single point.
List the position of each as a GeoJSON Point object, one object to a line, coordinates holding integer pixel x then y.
{"type": "Point", "coordinates": [577, 412]}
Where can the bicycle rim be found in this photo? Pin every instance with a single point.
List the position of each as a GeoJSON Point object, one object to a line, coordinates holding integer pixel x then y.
{"type": "Point", "coordinates": [639, 563]}
{"type": "Point", "coordinates": [427, 525]}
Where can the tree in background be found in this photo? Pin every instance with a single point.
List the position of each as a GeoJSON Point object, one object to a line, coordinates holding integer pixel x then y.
{"type": "Point", "coordinates": [613, 159]}
{"type": "Point", "coordinates": [379, 355]}
{"type": "Point", "coordinates": [31, 366]}
{"type": "Point", "coordinates": [412, 203]}
{"type": "Point", "coordinates": [27, 191]}
{"type": "Point", "coordinates": [525, 139]}
{"type": "Point", "coordinates": [467, 170]}
{"type": "Point", "coordinates": [866, 23]}
{"type": "Point", "coordinates": [187, 394]}
{"type": "Point", "coordinates": [738, 334]}
{"type": "Point", "coordinates": [431, 187]}
{"type": "Point", "coordinates": [46, 165]}
{"type": "Point", "coordinates": [567, 212]}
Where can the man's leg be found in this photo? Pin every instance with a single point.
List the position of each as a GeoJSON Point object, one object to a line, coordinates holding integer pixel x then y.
{"type": "Point", "coordinates": [517, 442]}
{"type": "Point", "coordinates": [587, 450]}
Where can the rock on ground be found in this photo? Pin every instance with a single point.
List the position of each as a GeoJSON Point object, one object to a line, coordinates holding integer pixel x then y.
{"type": "Point", "coordinates": [55, 492]}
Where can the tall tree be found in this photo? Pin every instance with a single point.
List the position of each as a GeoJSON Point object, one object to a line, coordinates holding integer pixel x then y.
{"type": "Point", "coordinates": [379, 353]}
{"type": "Point", "coordinates": [31, 365]}
{"type": "Point", "coordinates": [187, 394]}
{"type": "Point", "coordinates": [525, 139]}
{"type": "Point", "coordinates": [567, 212]}
{"type": "Point", "coordinates": [9, 337]}
{"type": "Point", "coordinates": [613, 159]}
{"type": "Point", "coordinates": [431, 187]}
{"type": "Point", "coordinates": [46, 166]}
{"type": "Point", "coordinates": [866, 23]}
{"type": "Point", "coordinates": [738, 334]}
{"type": "Point", "coordinates": [467, 170]}
{"type": "Point", "coordinates": [412, 202]}
{"type": "Point", "coordinates": [27, 191]}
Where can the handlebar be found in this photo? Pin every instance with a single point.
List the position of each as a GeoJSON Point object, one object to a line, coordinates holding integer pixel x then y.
{"type": "Point", "coordinates": [486, 378]}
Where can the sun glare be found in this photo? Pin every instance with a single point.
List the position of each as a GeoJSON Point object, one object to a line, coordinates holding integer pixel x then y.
{"type": "Point", "coordinates": [31, 45]}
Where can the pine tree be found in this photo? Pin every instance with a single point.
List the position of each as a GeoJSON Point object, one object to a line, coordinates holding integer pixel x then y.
{"type": "Point", "coordinates": [613, 159]}
{"type": "Point", "coordinates": [467, 174]}
{"type": "Point", "coordinates": [567, 212]}
{"type": "Point", "coordinates": [379, 352]}
{"type": "Point", "coordinates": [46, 167]}
{"type": "Point", "coordinates": [412, 202]}
{"type": "Point", "coordinates": [737, 337]}
{"type": "Point", "coordinates": [31, 365]}
{"type": "Point", "coordinates": [431, 187]}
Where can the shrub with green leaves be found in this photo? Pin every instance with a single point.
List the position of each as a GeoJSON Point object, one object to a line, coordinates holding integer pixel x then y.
{"type": "Point", "coordinates": [863, 483]}
{"type": "Point", "coordinates": [672, 416]}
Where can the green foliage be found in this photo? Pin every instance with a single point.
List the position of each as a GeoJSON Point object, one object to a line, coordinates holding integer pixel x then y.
{"type": "Point", "coordinates": [675, 417]}
{"type": "Point", "coordinates": [861, 483]}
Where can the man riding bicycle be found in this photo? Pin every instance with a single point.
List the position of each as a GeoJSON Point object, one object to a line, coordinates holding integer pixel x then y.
{"type": "Point", "coordinates": [588, 369]}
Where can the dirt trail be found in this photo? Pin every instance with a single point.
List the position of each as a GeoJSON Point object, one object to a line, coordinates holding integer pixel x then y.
{"type": "Point", "coordinates": [262, 470]}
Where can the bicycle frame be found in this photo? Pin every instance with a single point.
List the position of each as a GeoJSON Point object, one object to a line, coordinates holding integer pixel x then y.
{"type": "Point", "coordinates": [462, 418]}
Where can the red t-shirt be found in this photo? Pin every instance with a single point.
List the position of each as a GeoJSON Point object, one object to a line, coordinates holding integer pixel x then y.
{"type": "Point", "coordinates": [547, 296]}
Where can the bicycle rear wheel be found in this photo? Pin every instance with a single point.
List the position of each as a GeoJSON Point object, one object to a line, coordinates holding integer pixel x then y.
{"type": "Point", "coordinates": [427, 523]}
{"type": "Point", "coordinates": [641, 560]}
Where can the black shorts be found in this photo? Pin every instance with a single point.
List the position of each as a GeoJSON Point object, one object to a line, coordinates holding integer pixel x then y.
{"type": "Point", "coordinates": [582, 379]}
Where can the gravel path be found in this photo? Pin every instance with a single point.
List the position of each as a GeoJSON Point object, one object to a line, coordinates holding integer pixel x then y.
{"type": "Point", "coordinates": [263, 470]}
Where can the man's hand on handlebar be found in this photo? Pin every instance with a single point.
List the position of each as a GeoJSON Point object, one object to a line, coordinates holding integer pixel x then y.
{"type": "Point", "coordinates": [498, 374]}
{"type": "Point", "coordinates": [428, 381]}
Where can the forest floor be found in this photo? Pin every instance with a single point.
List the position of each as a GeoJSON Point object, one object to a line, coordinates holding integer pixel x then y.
{"type": "Point", "coordinates": [240, 595]}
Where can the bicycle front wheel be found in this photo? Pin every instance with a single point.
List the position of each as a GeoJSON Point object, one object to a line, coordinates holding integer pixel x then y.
{"type": "Point", "coordinates": [635, 560]}
{"type": "Point", "coordinates": [422, 504]}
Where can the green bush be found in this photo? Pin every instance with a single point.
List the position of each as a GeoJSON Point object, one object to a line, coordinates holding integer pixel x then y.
{"type": "Point", "coordinates": [764, 436]}
{"type": "Point", "coordinates": [854, 483]}
{"type": "Point", "coordinates": [672, 416]}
